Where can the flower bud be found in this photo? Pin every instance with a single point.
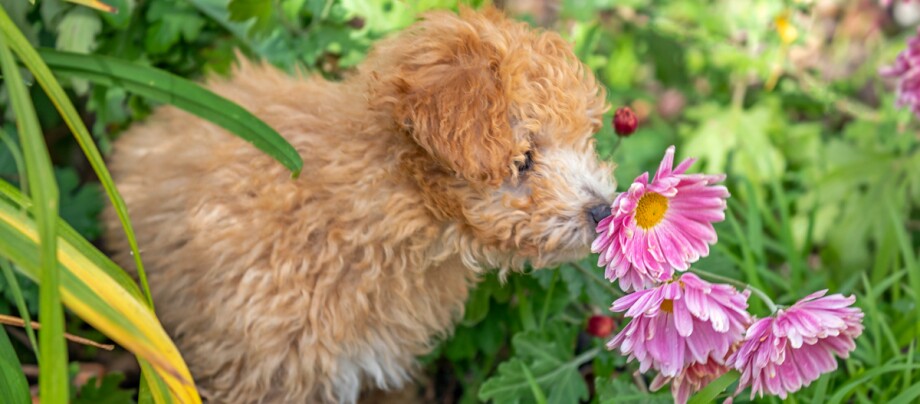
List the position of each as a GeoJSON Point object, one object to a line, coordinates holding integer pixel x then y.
{"type": "Point", "coordinates": [625, 121]}
{"type": "Point", "coordinates": [600, 326]}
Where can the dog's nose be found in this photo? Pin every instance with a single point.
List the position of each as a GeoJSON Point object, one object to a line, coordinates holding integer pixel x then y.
{"type": "Point", "coordinates": [599, 212]}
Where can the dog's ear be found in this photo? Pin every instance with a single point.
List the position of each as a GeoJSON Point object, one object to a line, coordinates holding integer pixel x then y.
{"type": "Point", "coordinates": [449, 96]}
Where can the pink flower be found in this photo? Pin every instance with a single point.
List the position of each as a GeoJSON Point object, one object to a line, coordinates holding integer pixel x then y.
{"type": "Point", "coordinates": [691, 379]}
{"type": "Point", "coordinates": [681, 322]}
{"type": "Point", "coordinates": [783, 353]}
{"type": "Point", "coordinates": [660, 226]}
{"type": "Point", "coordinates": [906, 69]}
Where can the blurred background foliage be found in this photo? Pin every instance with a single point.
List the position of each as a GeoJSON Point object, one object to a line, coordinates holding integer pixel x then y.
{"type": "Point", "coordinates": [782, 95]}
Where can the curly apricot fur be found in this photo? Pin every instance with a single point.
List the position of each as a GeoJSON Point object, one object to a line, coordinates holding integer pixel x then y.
{"type": "Point", "coordinates": [317, 288]}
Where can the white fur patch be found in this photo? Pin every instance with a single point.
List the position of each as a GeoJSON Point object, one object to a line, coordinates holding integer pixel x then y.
{"type": "Point", "coordinates": [374, 363]}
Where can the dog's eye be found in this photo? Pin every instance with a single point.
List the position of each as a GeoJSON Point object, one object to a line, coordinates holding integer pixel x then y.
{"type": "Point", "coordinates": [526, 165]}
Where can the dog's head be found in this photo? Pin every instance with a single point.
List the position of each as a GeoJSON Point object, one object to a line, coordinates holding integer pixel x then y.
{"type": "Point", "coordinates": [503, 116]}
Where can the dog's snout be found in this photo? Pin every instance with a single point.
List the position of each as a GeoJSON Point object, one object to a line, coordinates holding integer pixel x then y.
{"type": "Point", "coordinates": [597, 213]}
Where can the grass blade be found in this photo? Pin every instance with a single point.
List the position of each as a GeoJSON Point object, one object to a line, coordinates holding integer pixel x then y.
{"type": "Point", "coordinates": [162, 86]}
{"type": "Point", "coordinates": [907, 396]}
{"type": "Point", "coordinates": [52, 380]}
{"type": "Point", "coordinates": [534, 387]}
{"type": "Point", "coordinates": [13, 385]}
{"type": "Point", "coordinates": [20, 302]}
{"type": "Point", "coordinates": [910, 260]}
{"type": "Point", "coordinates": [708, 394]}
{"type": "Point", "coordinates": [844, 391]}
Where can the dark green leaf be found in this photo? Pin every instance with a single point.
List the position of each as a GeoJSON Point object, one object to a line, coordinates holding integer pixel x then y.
{"type": "Point", "coordinates": [162, 86]}
{"type": "Point", "coordinates": [13, 386]}
{"type": "Point", "coordinates": [80, 204]}
{"type": "Point", "coordinates": [260, 11]}
{"type": "Point", "coordinates": [708, 394]}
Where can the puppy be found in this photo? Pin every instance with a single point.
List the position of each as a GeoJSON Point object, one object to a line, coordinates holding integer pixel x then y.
{"type": "Point", "coordinates": [461, 144]}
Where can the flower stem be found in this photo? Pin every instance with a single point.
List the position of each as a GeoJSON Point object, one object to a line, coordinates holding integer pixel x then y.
{"type": "Point", "coordinates": [616, 145]}
{"type": "Point", "coordinates": [760, 294]}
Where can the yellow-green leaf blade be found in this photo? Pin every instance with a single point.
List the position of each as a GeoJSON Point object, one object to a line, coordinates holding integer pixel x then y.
{"type": "Point", "coordinates": [100, 300]}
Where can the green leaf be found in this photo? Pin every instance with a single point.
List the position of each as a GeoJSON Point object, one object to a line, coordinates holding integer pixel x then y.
{"type": "Point", "coordinates": [107, 392]}
{"type": "Point", "coordinates": [53, 382]}
{"type": "Point", "coordinates": [11, 283]}
{"type": "Point", "coordinates": [708, 394]}
{"type": "Point", "coordinates": [77, 31]}
{"type": "Point", "coordinates": [95, 289]}
{"type": "Point", "coordinates": [80, 204]}
{"type": "Point", "coordinates": [260, 11]}
{"type": "Point", "coordinates": [166, 87]}
{"type": "Point", "coordinates": [617, 391]}
{"type": "Point", "coordinates": [171, 21]}
{"type": "Point", "coordinates": [477, 307]}
{"type": "Point", "coordinates": [549, 358]}
{"type": "Point", "coordinates": [122, 16]}
{"type": "Point", "coordinates": [844, 391]}
{"type": "Point", "coordinates": [13, 385]}
{"type": "Point", "coordinates": [534, 388]}
{"type": "Point", "coordinates": [908, 396]}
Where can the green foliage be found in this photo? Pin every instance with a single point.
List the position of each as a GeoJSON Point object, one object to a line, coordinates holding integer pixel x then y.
{"type": "Point", "coordinates": [108, 391]}
{"type": "Point", "coordinates": [548, 360]}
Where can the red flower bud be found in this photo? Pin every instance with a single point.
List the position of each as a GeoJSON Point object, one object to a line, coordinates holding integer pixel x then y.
{"type": "Point", "coordinates": [625, 121]}
{"type": "Point", "coordinates": [600, 326]}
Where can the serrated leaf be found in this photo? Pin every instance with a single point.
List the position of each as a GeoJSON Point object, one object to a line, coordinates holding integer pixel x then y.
{"type": "Point", "coordinates": [549, 358]}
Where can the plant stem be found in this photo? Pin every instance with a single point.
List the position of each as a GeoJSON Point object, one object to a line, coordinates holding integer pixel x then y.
{"type": "Point", "coordinates": [616, 145]}
{"type": "Point", "coordinates": [549, 297]}
{"type": "Point", "coordinates": [760, 294]}
{"type": "Point", "coordinates": [586, 356]}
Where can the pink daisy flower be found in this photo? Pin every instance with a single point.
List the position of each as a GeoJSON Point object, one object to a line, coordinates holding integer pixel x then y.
{"type": "Point", "coordinates": [660, 226]}
{"type": "Point", "coordinates": [906, 69]}
{"type": "Point", "coordinates": [691, 379]}
{"type": "Point", "coordinates": [681, 322]}
{"type": "Point", "coordinates": [783, 353]}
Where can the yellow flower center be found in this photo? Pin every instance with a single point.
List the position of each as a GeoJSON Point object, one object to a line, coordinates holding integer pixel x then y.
{"type": "Point", "coordinates": [667, 306]}
{"type": "Point", "coordinates": [650, 210]}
